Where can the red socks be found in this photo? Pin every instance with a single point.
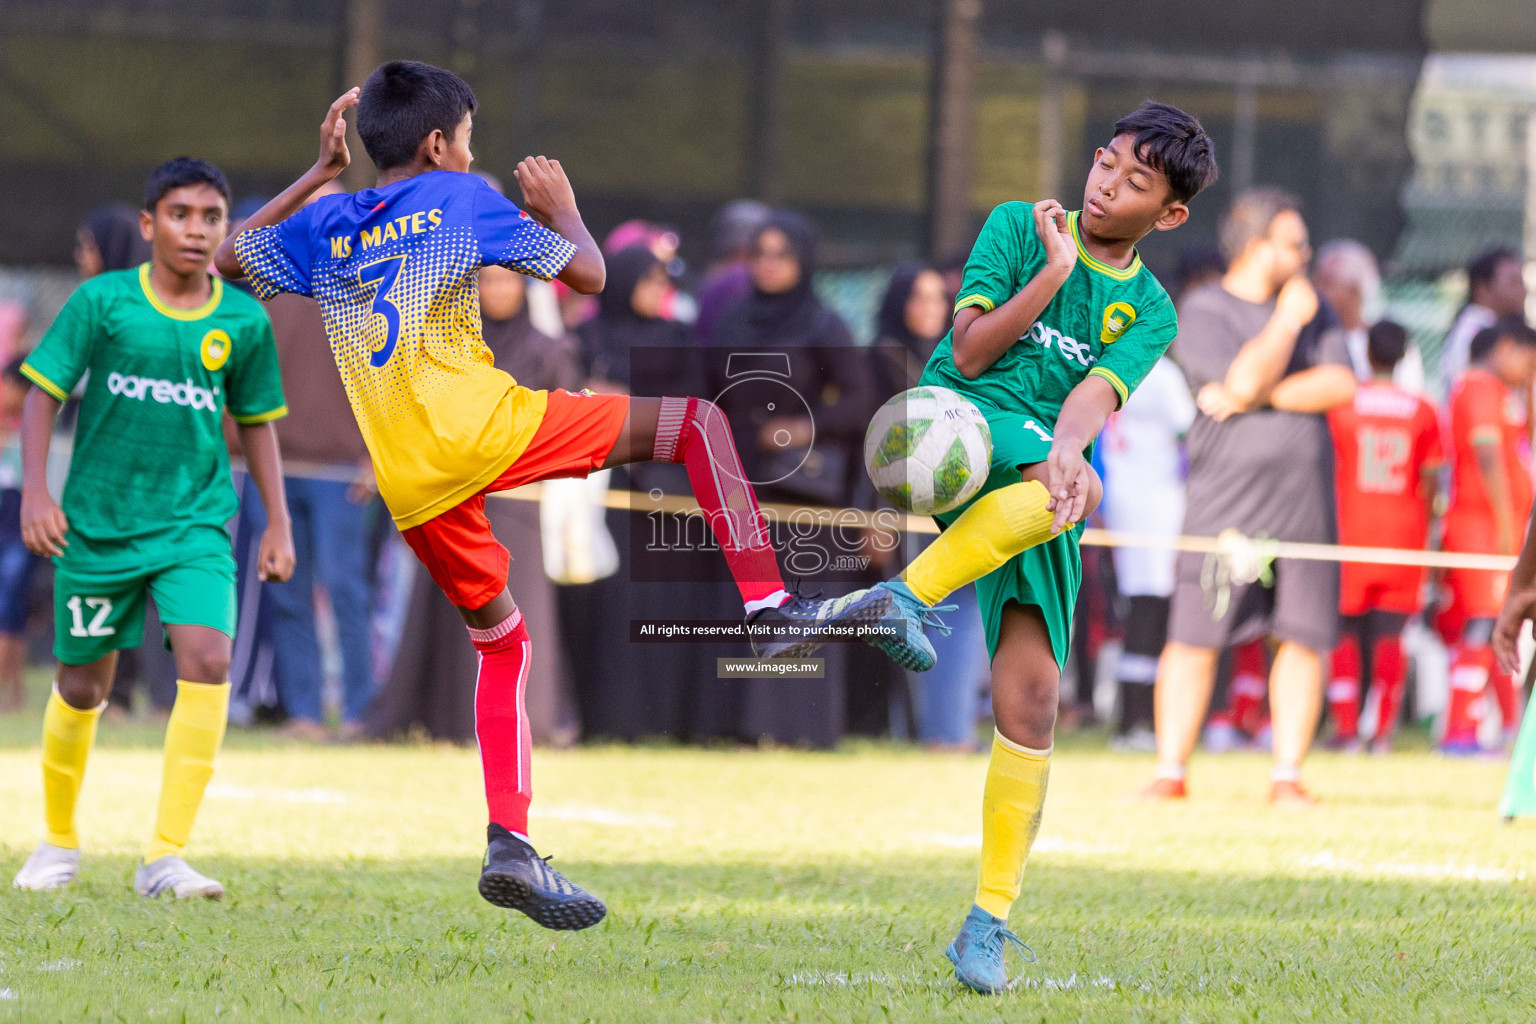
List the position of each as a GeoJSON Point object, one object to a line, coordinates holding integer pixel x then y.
{"type": "Point", "coordinates": [1344, 689]}
{"type": "Point", "coordinates": [1469, 678]}
{"type": "Point", "coordinates": [1249, 687]}
{"type": "Point", "coordinates": [695, 432]}
{"type": "Point", "coordinates": [501, 723]}
{"type": "Point", "coordinates": [1389, 668]}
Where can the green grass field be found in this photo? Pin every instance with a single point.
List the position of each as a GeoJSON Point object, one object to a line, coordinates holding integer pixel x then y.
{"type": "Point", "coordinates": [774, 886]}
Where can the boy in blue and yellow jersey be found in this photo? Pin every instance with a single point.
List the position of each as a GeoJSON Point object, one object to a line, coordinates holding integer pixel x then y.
{"type": "Point", "coordinates": [1057, 322]}
{"type": "Point", "coordinates": [394, 269]}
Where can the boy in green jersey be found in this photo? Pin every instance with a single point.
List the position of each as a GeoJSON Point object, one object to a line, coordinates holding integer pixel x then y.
{"type": "Point", "coordinates": [168, 349]}
{"type": "Point", "coordinates": [1056, 323]}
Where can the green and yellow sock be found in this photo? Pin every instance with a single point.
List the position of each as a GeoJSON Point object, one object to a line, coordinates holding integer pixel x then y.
{"type": "Point", "coordinates": [192, 740]}
{"type": "Point", "coordinates": [68, 734]}
{"type": "Point", "coordinates": [1010, 819]}
{"type": "Point", "coordinates": [996, 527]}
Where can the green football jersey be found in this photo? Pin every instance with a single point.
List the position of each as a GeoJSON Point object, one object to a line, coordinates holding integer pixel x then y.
{"type": "Point", "coordinates": [150, 473]}
{"type": "Point", "coordinates": [1103, 321]}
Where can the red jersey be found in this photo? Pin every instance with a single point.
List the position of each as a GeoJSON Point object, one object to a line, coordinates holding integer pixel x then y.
{"type": "Point", "coordinates": [1482, 411]}
{"type": "Point", "coordinates": [1383, 442]}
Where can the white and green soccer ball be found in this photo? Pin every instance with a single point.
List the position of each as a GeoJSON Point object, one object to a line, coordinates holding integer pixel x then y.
{"type": "Point", "coordinates": [927, 450]}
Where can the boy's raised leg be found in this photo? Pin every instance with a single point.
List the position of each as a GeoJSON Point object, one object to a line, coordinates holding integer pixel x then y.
{"type": "Point", "coordinates": [695, 432]}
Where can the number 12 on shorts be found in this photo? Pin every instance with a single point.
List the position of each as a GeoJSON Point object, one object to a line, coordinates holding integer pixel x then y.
{"type": "Point", "coordinates": [101, 609]}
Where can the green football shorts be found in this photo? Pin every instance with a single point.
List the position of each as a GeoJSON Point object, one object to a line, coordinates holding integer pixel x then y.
{"type": "Point", "coordinates": [96, 613]}
{"type": "Point", "coordinates": [1046, 576]}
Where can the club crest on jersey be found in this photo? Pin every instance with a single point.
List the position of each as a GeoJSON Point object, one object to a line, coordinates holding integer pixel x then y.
{"type": "Point", "coordinates": [1117, 317]}
{"type": "Point", "coordinates": [215, 349]}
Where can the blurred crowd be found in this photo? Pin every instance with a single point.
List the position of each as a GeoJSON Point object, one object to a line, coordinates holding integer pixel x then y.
{"type": "Point", "coordinates": [1277, 407]}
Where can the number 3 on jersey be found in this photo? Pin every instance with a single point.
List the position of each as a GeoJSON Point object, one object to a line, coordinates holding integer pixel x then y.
{"type": "Point", "coordinates": [102, 609]}
{"type": "Point", "coordinates": [384, 273]}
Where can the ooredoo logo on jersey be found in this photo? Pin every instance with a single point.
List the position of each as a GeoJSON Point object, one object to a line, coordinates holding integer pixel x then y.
{"type": "Point", "coordinates": [165, 392]}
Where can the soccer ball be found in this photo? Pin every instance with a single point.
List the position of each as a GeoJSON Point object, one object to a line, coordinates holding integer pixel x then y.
{"type": "Point", "coordinates": [928, 450]}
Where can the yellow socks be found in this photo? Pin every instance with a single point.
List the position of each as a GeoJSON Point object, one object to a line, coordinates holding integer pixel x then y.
{"type": "Point", "coordinates": [192, 739]}
{"type": "Point", "coordinates": [996, 527]}
{"type": "Point", "coordinates": [68, 734]}
{"type": "Point", "coordinates": [1010, 818]}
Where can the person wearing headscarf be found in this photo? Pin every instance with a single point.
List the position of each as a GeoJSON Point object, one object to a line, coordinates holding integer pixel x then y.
{"type": "Point", "coordinates": [627, 691]}
{"type": "Point", "coordinates": [796, 392]}
{"type": "Point", "coordinates": [913, 318]}
{"type": "Point", "coordinates": [108, 238]}
{"type": "Point", "coordinates": [433, 650]}
{"type": "Point", "coordinates": [729, 279]}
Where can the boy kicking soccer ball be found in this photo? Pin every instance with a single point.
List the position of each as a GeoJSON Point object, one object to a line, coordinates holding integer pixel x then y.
{"type": "Point", "coordinates": [1056, 324]}
{"type": "Point", "coordinates": [394, 267]}
{"type": "Point", "coordinates": [168, 349]}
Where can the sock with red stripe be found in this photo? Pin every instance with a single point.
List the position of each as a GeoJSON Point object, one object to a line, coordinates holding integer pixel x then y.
{"type": "Point", "coordinates": [1469, 678]}
{"type": "Point", "coordinates": [695, 432]}
{"type": "Point", "coordinates": [501, 721]}
{"type": "Point", "coordinates": [1389, 669]}
{"type": "Point", "coordinates": [1249, 687]}
{"type": "Point", "coordinates": [1344, 688]}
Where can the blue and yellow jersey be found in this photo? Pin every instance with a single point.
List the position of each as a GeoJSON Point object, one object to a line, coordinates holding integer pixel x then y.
{"type": "Point", "coordinates": [394, 270]}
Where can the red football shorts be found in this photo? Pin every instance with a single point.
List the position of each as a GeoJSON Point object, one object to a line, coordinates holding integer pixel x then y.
{"type": "Point", "coordinates": [1385, 588]}
{"type": "Point", "coordinates": [458, 548]}
{"type": "Point", "coordinates": [1473, 593]}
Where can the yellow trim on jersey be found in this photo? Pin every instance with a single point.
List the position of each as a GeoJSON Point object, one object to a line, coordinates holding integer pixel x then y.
{"type": "Point", "coordinates": [261, 417]}
{"type": "Point", "coordinates": [1114, 381]}
{"type": "Point", "coordinates": [1093, 264]}
{"type": "Point", "coordinates": [180, 314]}
{"type": "Point", "coordinates": [44, 383]}
{"type": "Point", "coordinates": [975, 299]}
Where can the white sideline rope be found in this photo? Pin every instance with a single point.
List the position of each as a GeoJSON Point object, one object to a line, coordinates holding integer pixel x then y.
{"type": "Point", "coordinates": [1231, 544]}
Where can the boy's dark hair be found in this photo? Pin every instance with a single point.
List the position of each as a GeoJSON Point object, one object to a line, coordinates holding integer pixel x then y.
{"type": "Point", "coordinates": [1481, 270]}
{"type": "Point", "coordinates": [402, 103]}
{"type": "Point", "coordinates": [1174, 143]}
{"type": "Point", "coordinates": [1386, 342]}
{"type": "Point", "coordinates": [1511, 329]}
{"type": "Point", "coordinates": [1250, 217]}
{"type": "Point", "coordinates": [179, 172]}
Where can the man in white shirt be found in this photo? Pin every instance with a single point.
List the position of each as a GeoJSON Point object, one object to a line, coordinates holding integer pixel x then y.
{"type": "Point", "coordinates": [1346, 275]}
{"type": "Point", "coordinates": [1495, 290]}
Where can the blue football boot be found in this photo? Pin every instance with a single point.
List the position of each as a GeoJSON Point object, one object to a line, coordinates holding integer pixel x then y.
{"type": "Point", "coordinates": [900, 634]}
{"type": "Point", "coordinates": [977, 952]}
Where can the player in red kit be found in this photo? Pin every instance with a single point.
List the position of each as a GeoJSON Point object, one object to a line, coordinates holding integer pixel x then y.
{"type": "Point", "coordinates": [1387, 456]}
{"type": "Point", "coordinates": [1490, 499]}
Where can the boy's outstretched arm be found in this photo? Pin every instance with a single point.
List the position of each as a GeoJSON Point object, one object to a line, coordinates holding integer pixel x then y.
{"type": "Point", "coordinates": [1083, 415]}
{"type": "Point", "coordinates": [333, 159]}
{"type": "Point", "coordinates": [548, 196]}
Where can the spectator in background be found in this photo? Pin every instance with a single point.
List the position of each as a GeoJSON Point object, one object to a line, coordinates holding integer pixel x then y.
{"type": "Point", "coordinates": [17, 564]}
{"type": "Point", "coordinates": [1495, 291]}
{"type": "Point", "coordinates": [333, 502]}
{"type": "Point", "coordinates": [108, 238]}
{"type": "Point", "coordinates": [663, 242]}
{"type": "Point", "coordinates": [419, 692]}
{"type": "Point", "coordinates": [1144, 493]}
{"type": "Point", "coordinates": [627, 691]}
{"type": "Point", "coordinates": [1346, 276]}
{"type": "Point", "coordinates": [1266, 361]}
{"type": "Point", "coordinates": [1491, 498]}
{"type": "Point", "coordinates": [914, 316]}
{"type": "Point", "coordinates": [1388, 454]}
{"type": "Point", "coordinates": [729, 278]}
{"type": "Point", "coordinates": [785, 338]}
